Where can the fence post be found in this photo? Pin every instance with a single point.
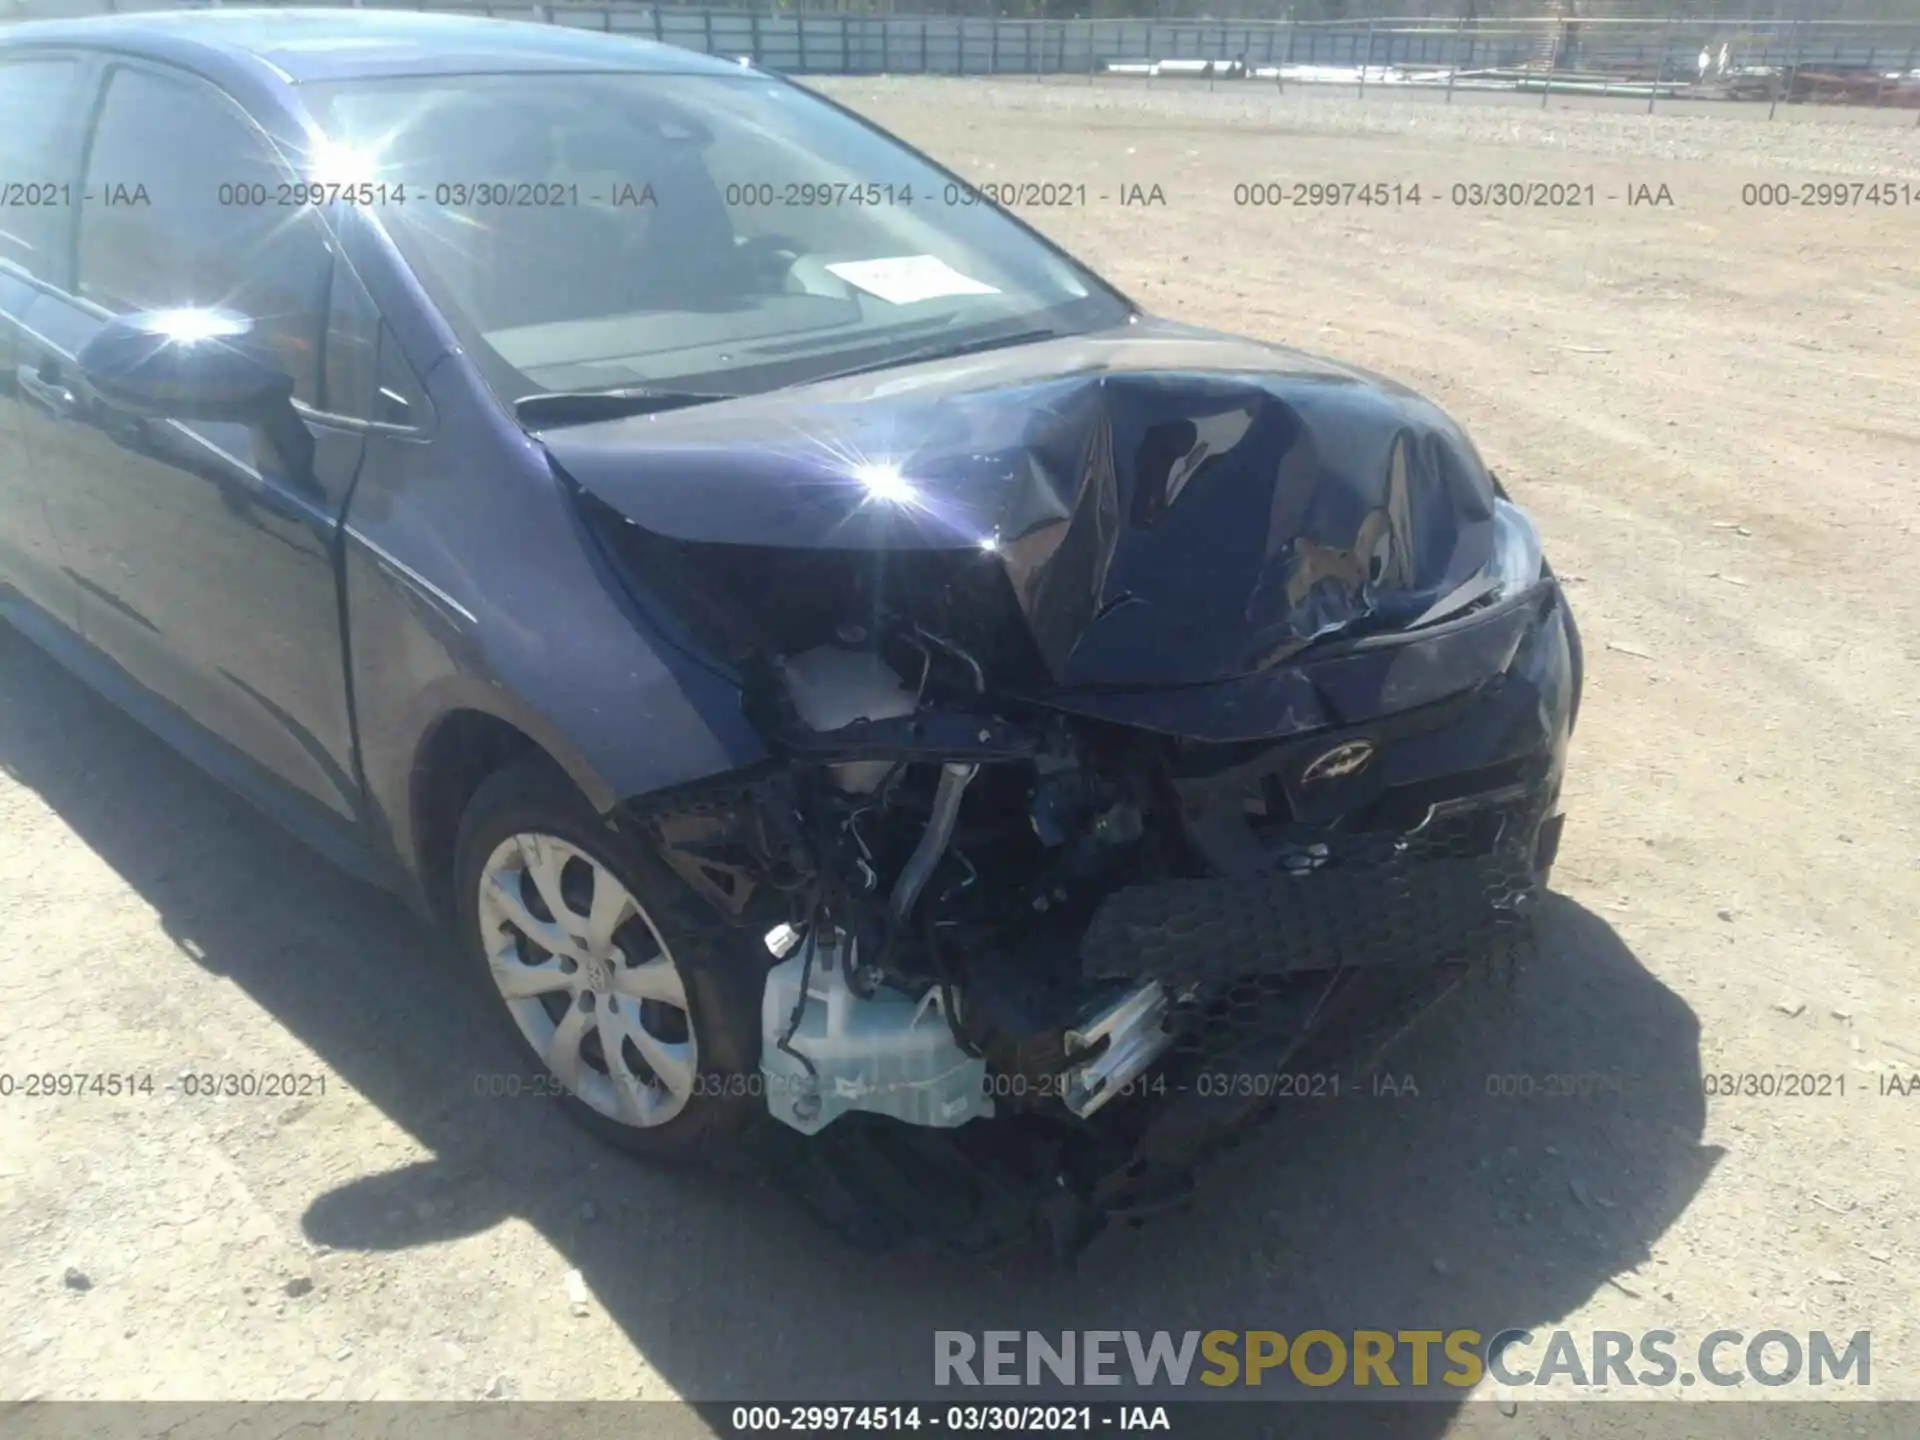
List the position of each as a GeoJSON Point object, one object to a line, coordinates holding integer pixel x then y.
{"type": "Point", "coordinates": [923, 46]}
{"type": "Point", "coordinates": [706, 31]}
{"type": "Point", "coordinates": [753, 34]}
{"type": "Point", "coordinates": [800, 32]}
{"type": "Point", "coordinates": [1453, 68]}
{"type": "Point", "coordinates": [656, 22]}
{"type": "Point", "coordinates": [1908, 71]}
{"type": "Point", "coordinates": [1554, 50]}
{"type": "Point", "coordinates": [1364, 64]}
{"type": "Point", "coordinates": [1659, 75]}
{"type": "Point", "coordinates": [960, 61]}
{"type": "Point", "coordinates": [1790, 71]}
{"type": "Point", "coordinates": [886, 45]}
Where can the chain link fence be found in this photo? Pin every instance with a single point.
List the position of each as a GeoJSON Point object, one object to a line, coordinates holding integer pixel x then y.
{"type": "Point", "coordinates": [1871, 63]}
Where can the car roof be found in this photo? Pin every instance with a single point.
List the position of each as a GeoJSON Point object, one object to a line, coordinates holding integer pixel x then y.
{"type": "Point", "coordinates": [304, 45]}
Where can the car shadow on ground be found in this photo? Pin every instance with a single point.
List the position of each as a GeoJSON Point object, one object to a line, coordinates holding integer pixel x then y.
{"type": "Point", "coordinates": [1442, 1201]}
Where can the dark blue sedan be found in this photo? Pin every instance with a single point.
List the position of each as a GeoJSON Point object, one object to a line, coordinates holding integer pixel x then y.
{"type": "Point", "coordinates": [836, 667]}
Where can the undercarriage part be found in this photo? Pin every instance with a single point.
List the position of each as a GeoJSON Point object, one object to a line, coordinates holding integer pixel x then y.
{"type": "Point", "coordinates": [827, 1050]}
{"type": "Point", "coordinates": [1342, 1023]}
{"type": "Point", "coordinates": [736, 844]}
{"type": "Point", "coordinates": [1119, 1042]}
{"type": "Point", "coordinates": [881, 1186]}
{"type": "Point", "coordinates": [986, 1190]}
{"type": "Point", "coordinates": [954, 779]}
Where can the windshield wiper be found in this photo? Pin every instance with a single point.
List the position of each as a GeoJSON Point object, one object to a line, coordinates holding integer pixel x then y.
{"type": "Point", "coordinates": [581, 407]}
{"type": "Point", "coordinates": [940, 352]}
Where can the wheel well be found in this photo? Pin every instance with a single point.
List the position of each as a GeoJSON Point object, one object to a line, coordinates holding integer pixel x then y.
{"type": "Point", "coordinates": [465, 749]}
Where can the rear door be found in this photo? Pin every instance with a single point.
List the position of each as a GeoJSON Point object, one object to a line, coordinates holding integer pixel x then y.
{"type": "Point", "coordinates": [206, 570]}
{"type": "Point", "coordinates": [40, 100]}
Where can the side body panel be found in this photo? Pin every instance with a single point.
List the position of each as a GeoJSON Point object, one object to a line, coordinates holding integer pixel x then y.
{"type": "Point", "coordinates": [473, 586]}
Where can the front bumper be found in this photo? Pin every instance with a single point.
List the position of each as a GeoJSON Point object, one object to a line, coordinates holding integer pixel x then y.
{"type": "Point", "coordinates": [1431, 851]}
{"type": "Point", "coordinates": [1372, 893]}
{"type": "Point", "coordinates": [1363, 897]}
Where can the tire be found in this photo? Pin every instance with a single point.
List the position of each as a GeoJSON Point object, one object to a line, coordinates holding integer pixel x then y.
{"type": "Point", "coordinates": [528, 831]}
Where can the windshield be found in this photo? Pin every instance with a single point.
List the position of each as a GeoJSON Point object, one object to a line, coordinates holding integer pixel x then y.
{"type": "Point", "coordinates": [693, 233]}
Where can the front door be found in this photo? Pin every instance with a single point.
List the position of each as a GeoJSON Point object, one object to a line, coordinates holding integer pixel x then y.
{"type": "Point", "coordinates": [39, 160]}
{"type": "Point", "coordinates": [205, 569]}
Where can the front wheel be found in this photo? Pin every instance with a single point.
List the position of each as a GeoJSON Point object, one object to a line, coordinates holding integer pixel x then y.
{"type": "Point", "coordinates": [641, 1007]}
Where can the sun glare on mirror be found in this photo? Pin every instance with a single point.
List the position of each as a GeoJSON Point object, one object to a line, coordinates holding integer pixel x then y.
{"type": "Point", "coordinates": [334, 163]}
{"type": "Point", "coordinates": [186, 326]}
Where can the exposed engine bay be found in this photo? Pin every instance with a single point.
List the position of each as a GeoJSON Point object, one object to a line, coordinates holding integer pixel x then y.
{"type": "Point", "coordinates": [1122, 727]}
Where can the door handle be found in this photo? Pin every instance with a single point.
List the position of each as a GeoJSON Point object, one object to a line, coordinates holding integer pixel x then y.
{"type": "Point", "coordinates": [50, 395]}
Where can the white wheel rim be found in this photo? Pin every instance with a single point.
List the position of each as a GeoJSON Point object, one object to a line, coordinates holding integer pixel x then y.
{"type": "Point", "coordinates": [588, 978]}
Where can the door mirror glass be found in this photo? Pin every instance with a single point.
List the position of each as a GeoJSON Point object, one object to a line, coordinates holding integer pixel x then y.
{"type": "Point", "coordinates": [208, 365]}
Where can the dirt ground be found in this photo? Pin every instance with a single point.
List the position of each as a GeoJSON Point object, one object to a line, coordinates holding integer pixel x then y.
{"type": "Point", "coordinates": [1714, 411]}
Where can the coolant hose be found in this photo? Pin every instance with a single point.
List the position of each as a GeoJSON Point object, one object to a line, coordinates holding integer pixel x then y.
{"type": "Point", "coordinates": [954, 779]}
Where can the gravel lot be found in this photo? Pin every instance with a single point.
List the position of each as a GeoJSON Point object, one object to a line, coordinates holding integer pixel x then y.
{"type": "Point", "coordinates": [1713, 409]}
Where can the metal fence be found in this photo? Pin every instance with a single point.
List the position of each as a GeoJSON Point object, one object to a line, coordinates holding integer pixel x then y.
{"type": "Point", "coordinates": [853, 44]}
{"type": "Point", "coordinates": [1625, 49]}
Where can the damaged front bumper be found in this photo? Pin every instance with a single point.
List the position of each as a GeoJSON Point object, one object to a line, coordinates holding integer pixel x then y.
{"type": "Point", "coordinates": [1131, 701]}
{"type": "Point", "coordinates": [1345, 896]}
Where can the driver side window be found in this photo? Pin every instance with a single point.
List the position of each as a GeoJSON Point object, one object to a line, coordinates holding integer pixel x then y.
{"type": "Point", "coordinates": [160, 226]}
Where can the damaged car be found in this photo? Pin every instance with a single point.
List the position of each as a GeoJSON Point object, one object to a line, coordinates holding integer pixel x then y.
{"type": "Point", "coordinates": [860, 693]}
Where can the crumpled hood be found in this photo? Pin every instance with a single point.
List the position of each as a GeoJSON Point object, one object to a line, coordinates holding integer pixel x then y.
{"type": "Point", "coordinates": [1170, 506]}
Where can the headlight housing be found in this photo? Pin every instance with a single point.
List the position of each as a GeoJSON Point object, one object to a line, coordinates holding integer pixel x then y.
{"type": "Point", "coordinates": [1517, 557]}
{"type": "Point", "coordinates": [1517, 562]}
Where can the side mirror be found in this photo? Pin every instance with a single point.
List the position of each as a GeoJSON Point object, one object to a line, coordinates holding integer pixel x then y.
{"type": "Point", "coordinates": [210, 365]}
